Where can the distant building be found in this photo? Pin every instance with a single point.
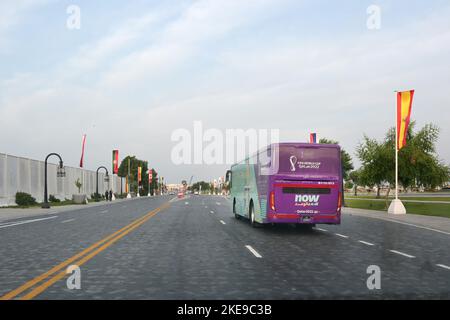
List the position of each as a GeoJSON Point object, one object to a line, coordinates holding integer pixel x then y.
{"type": "Point", "coordinates": [174, 187]}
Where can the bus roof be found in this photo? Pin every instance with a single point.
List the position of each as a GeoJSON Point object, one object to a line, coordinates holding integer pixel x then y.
{"type": "Point", "coordinates": [291, 144]}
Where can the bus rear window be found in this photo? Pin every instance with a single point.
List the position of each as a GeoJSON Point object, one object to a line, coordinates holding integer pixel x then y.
{"type": "Point", "coordinates": [313, 162]}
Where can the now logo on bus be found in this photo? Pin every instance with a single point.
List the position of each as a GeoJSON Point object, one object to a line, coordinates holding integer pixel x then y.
{"type": "Point", "coordinates": [307, 199]}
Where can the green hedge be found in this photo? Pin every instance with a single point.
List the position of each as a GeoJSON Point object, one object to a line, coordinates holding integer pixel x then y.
{"type": "Point", "coordinates": [24, 199]}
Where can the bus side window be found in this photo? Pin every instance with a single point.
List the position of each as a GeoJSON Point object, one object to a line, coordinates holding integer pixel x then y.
{"type": "Point", "coordinates": [264, 162]}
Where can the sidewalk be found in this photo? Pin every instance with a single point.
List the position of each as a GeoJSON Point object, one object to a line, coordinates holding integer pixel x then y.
{"type": "Point", "coordinates": [403, 200]}
{"type": "Point", "coordinates": [439, 224]}
{"type": "Point", "coordinates": [7, 214]}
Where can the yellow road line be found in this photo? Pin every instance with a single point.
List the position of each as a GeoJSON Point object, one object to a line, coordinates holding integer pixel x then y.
{"type": "Point", "coordinates": [103, 244]}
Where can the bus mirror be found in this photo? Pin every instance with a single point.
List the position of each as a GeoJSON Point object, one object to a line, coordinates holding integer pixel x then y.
{"type": "Point", "coordinates": [228, 177]}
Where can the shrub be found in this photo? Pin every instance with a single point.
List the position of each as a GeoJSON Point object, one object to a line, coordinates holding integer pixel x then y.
{"type": "Point", "coordinates": [52, 198]}
{"type": "Point", "coordinates": [24, 199]}
{"type": "Point", "coordinates": [78, 184]}
{"type": "Point", "coordinates": [97, 197]}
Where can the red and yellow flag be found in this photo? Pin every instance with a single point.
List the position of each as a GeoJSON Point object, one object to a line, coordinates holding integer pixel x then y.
{"type": "Point", "coordinates": [139, 174]}
{"type": "Point", "coordinates": [115, 159]}
{"type": "Point", "coordinates": [83, 143]}
{"type": "Point", "coordinates": [404, 104]}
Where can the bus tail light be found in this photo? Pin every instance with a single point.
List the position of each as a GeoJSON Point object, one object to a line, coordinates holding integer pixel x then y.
{"type": "Point", "coordinates": [339, 201]}
{"type": "Point", "coordinates": [272, 201]}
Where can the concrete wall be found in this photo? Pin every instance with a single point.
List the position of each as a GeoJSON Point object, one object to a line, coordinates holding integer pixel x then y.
{"type": "Point", "coordinates": [27, 175]}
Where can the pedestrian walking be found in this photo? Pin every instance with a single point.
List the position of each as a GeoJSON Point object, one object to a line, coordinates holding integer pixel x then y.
{"type": "Point", "coordinates": [106, 195]}
{"type": "Point", "coordinates": [110, 195]}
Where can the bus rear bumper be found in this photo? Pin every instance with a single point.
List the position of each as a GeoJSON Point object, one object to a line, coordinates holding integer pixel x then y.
{"type": "Point", "coordinates": [303, 219]}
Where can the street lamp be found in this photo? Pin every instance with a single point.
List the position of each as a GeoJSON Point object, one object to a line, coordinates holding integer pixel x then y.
{"type": "Point", "coordinates": [60, 173]}
{"type": "Point", "coordinates": [106, 178]}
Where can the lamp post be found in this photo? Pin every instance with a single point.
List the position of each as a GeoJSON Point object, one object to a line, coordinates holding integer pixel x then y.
{"type": "Point", "coordinates": [106, 178]}
{"type": "Point", "coordinates": [60, 172]}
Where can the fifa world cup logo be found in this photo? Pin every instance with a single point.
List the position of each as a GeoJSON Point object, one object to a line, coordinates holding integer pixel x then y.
{"type": "Point", "coordinates": [293, 160]}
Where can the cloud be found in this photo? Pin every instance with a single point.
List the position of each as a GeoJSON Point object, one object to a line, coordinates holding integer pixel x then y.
{"type": "Point", "coordinates": [180, 40]}
{"type": "Point", "coordinates": [12, 13]}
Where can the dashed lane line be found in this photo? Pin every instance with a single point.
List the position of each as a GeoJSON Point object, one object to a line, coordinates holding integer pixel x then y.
{"type": "Point", "coordinates": [341, 235]}
{"type": "Point", "coordinates": [402, 254]}
{"type": "Point", "coordinates": [69, 220]}
{"type": "Point", "coordinates": [253, 251]}
{"type": "Point", "coordinates": [222, 222]}
{"type": "Point", "coordinates": [12, 224]}
{"type": "Point", "coordinates": [443, 266]}
{"type": "Point", "coordinates": [366, 243]}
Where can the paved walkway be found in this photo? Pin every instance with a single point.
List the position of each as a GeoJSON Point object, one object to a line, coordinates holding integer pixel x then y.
{"type": "Point", "coordinates": [440, 224]}
{"type": "Point", "coordinates": [403, 200]}
{"type": "Point", "coordinates": [7, 214]}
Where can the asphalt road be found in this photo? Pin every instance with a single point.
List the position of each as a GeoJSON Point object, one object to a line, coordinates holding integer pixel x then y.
{"type": "Point", "coordinates": [195, 249]}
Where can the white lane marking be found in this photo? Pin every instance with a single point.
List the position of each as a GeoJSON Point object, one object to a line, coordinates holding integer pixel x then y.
{"type": "Point", "coordinates": [402, 254]}
{"type": "Point", "coordinates": [218, 203]}
{"type": "Point", "coordinates": [69, 220]}
{"type": "Point", "coordinates": [367, 243]}
{"type": "Point", "coordinates": [320, 229]}
{"type": "Point", "coordinates": [443, 266]}
{"type": "Point", "coordinates": [26, 221]}
{"type": "Point", "coordinates": [255, 253]}
{"type": "Point", "coordinates": [341, 235]}
{"type": "Point", "coordinates": [186, 202]}
{"type": "Point", "coordinates": [211, 211]}
{"type": "Point", "coordinates": [222, 222]}
{"type": "Point", "coordinates": [104, 211]}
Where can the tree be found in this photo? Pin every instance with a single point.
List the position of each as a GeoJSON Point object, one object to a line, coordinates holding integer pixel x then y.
{"type": "Point", "coordinates": [355, 177]}
{"type": "Point", "coordinates": [347, 164]}
{"type": "Point", "coordinates": [201, 185]}
{"type": "Point", "coordinates": [376, 163]}
{"type": "Point", "coordinates": [419, 165]}
{"type": "Point", "coordinates": [134, 164]}
{"type": "Point", "coordinates": [78, 184]}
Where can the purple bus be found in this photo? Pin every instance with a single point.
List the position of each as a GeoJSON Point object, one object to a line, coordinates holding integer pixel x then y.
{"type": "Point", "coordinates": [295, 183]}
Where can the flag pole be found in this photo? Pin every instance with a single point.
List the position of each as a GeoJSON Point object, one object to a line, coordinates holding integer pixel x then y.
{"type": "Point", "coordinates": [396, 206]}
{"type": "Point", "coordinates": [128, 180]}
{"type": "Point", "coordinates": [396, 154]}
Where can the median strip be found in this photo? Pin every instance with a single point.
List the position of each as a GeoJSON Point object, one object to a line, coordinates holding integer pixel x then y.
{"type": "Point", "coordinates": [78, 259]}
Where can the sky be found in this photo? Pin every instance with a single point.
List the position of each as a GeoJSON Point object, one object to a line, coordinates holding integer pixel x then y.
{"type": "Point", "coordinates": [136, 71]}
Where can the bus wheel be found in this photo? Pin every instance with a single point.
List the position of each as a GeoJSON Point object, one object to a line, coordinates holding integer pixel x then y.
{"type": "Point", "coordinates": [252, 217]}
{"type": "Point", "coordinates": [234, 210]}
